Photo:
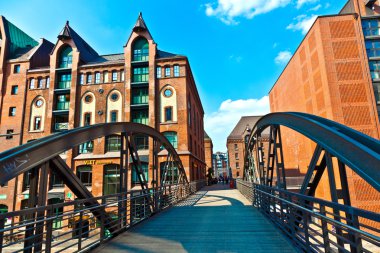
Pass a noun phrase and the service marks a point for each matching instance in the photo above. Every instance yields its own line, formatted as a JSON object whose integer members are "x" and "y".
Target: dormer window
{"x": 141, "y": 50}
{"x": 66, "y": 58}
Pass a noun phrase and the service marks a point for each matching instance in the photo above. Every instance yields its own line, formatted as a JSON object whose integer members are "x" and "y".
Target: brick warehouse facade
{"x": 47, "y": 88}
{"x": 334, "y": 74}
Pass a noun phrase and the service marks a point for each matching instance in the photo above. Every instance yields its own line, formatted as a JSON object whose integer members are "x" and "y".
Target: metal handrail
{"x": 305, "y": 220}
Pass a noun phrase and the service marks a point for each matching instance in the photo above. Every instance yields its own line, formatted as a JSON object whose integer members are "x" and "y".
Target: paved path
{"x": 215, "y": 219}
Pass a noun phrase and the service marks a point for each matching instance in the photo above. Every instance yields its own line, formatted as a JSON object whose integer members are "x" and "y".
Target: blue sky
{"x": 236, "y": 48}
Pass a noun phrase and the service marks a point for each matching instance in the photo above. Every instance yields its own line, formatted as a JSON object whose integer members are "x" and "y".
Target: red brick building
{"x": 208, "y": 151}
{"x": 334, "y": 73}
{"x": 50, "y": 87}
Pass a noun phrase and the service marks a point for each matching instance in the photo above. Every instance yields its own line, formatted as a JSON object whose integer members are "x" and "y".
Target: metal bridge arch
{"x": 41, "y": 155}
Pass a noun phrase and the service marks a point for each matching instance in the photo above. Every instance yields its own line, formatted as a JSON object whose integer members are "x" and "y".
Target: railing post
{"x": 358, "y": 240}
{"x": 80, "y": 226}
{"x": 325, "y": 230}
{"x": 49, "y": 229}
{"x": 2, "y": 224}
{"x": 306, "y": 227}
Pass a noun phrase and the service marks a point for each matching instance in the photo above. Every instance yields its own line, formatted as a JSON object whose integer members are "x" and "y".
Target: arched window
{"x": 66, "y": 58}
{"x": 111, "y": 179}
{"x": 141, "y": 50}
{"x": 84, "y": 173}
{"x": 172, "y": 138}
{"x": 113, "y": 143}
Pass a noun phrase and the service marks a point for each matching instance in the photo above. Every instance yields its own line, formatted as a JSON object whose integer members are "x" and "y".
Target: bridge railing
{"x": 315, "y": 225}
{"x": 72, "y": 227}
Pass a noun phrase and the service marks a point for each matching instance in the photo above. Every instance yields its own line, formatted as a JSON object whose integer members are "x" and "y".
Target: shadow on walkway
{"x": 215, "y": 219}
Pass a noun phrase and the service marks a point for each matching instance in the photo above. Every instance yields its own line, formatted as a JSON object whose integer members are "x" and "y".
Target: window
{"x": 37, "y": 123}
{"x": 47, "y": 82}
{"x": 111, "y": 180}
{"x": 140, "y": 75}
{"x": 105, "y": 77}
{"x": 189, "y": 112}
{"x": 26, "y": 180}
{"x": 168, "y": 92}
{"x": 16, "y": 69}
{"x": 87, "y": 147}
{"x": 113, "y": 116}
{"x": 40, "y": 84}
{"x": 170, "y": 171}
{"x": 89, "y": 78}
{"x": 373, "y": 48}
{"x": 12, "y": 111}
{"x": 140, "y": 50}
{"x": 169, "y": 113}
{"x": 31, "y": 84}
{"x": 81, "y": 79}
{"x": 172, "y": 138}
{"x": 237, "y": 165}
{"x": 159, "y": 73}
{"x": 87, "y": 119}
{"x": 167, "y": 71}
{"x": 371, "y": 27}
{"x": 141, "y": 142}
{"x": 39, "y": 103}
{"x": 114, "y": 96}
{"x": 135, "y": 179}
{"x": 237, "y": 173}
{"x": 14, "y": 90}
{"x": 140, "y": 116}
{"x": 140, "y": 96}
{"x": 88, "y": 98}
{"x": 237, "y": 156}
{"x": 113, "y": 143}
{"x": 374, "y": 67}
{"x": 176, "y": 70}
{"x": 97, "y": 77}
{"x": 236, "y": 146}
{"x": 84, "y": 173}
{"x": 9, "y": 134}
{"x": 122, "y": 75}
{"x": 66, "y": 58}
{"x": 64, "y": 81}
{"x": 114, "y": 76}
{"x": 55, "y": 181}
{"x": 376, "y": 89}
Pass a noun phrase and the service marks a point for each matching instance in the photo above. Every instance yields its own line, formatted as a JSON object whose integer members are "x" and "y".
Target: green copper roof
{"x": 19, "y": 42}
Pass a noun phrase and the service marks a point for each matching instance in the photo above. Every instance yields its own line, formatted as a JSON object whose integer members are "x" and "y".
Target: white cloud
{"x": 236, "y": 58}
{"x": 228, "y": 10}
{"x": 300, "y": 3}
{"x": 302, "y": 23}
{"x": 316, "y": 7}
{"x": 219, "y": 124}
{"x": 283, "y": 57}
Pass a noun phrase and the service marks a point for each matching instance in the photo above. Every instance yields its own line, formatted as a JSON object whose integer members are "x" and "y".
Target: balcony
{"x": 61, "y": 126}
{"x": 62, "y": 106}
{"x": 64, "y": 85}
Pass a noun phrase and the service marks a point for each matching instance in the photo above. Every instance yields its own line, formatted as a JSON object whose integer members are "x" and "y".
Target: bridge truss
{"x": 315, "y": 225}
{"x": 88, "y": 220}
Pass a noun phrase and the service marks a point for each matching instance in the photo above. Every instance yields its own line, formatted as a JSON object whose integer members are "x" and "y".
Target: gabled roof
{"x": 206, "y": 137}
{"x": 140, "y": 24}
{"x": 162, "y": 54}
{"x": 240, "y": 128}
{"x": 19, "y": 43}
{"x": 106, "y": 59}
{"x": 87, "y": 53}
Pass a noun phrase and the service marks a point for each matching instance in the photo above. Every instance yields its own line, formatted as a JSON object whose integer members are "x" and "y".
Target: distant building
{"x": 220, "y": 164}
{"x": 236, "y": 142}
{"x": 208, "y": 152}
{"x": 335, "y": 74}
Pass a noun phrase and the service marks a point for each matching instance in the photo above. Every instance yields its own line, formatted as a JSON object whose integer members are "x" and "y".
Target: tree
{"x": 210, "y": 175}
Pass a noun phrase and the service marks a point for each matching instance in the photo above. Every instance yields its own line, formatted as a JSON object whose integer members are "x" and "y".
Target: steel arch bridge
{"x": 43, "y": 155}
{"x": 337, "y": 148}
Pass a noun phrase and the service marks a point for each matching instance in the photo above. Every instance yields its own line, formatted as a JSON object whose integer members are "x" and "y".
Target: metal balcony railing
{"x": 72, "y": 227}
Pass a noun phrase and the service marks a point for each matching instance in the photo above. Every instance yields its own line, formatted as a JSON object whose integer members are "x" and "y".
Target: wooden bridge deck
{"x": 215, "y": 219}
